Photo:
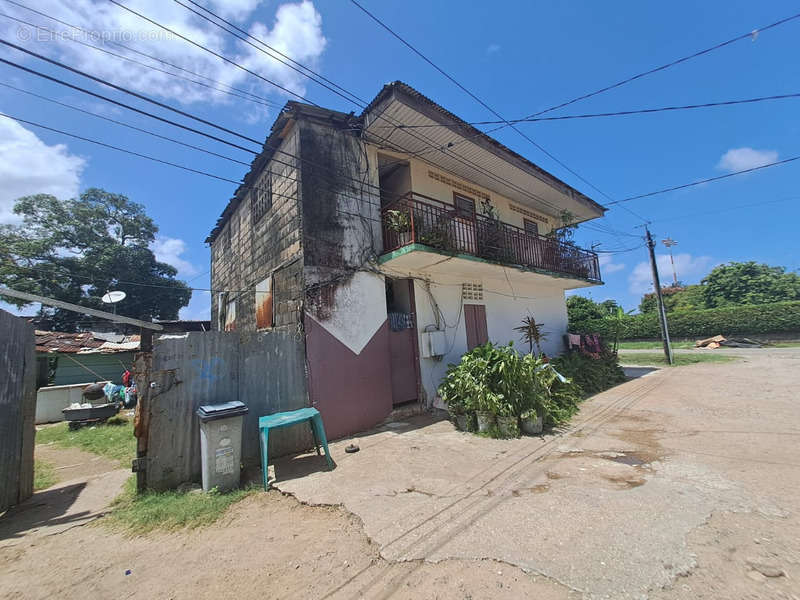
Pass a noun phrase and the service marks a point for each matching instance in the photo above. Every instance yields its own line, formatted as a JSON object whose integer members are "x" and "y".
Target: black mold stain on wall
{"x": 332, "y": 165}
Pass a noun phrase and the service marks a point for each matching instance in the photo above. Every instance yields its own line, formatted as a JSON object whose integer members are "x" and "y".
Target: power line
{"x": 184, "y": 113}
{"x": 750, "y": 34}
{"x": 125, "y": 91}
{"x": 118, "y": 149}
{"x": 218, "y": 55}
{"x": 166, "y": 162}
{"x": 123, "y": 124}
{"x": 707, "y": 180}
{"x": 726, "y": 209}
{"x": 617, "y": 113}
{"x": 476, "y": 98}
{"x": 245, "y": 39}
{"x": 468, "y": 163}
{"x": 236, "y": 92}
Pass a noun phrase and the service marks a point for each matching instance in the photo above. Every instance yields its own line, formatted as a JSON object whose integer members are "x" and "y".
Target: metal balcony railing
{"x": 418, "y": 219}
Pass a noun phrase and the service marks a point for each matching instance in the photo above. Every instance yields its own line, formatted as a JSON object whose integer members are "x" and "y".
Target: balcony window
{"x": 531, "y": 227}
{"x": 465, "y": 207}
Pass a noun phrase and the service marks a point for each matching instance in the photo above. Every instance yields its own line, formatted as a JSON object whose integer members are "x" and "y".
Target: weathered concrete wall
{"x": 264, "y": 370}
{"x": 346, "y": 330}
{"x": 247, "y": 250}
{"x": 17, "y": 408}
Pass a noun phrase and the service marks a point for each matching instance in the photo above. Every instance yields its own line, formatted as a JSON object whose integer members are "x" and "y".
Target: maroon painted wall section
{"x": 353, "y": 392}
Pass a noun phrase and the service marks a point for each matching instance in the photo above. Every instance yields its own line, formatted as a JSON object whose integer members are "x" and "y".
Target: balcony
{"x": 418, "y": 219}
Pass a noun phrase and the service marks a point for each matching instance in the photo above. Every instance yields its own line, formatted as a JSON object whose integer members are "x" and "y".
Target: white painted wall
{"x": 50, "y": 401}
{"x": 503, "y": 312}
{"x": 359, "y": 309}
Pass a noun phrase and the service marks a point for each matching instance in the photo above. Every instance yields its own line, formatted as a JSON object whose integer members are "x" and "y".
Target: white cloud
{"x": 740, "y": 159}
{"x": 29, "y": 166}
{"x": 688, "y": 268}
{"x": 493, "y": 49}
{"x": 296, "y": 31}
{"x": 607, "y": 264}
{"x": 199, "y": 307}
{"x": 170, "y": 250}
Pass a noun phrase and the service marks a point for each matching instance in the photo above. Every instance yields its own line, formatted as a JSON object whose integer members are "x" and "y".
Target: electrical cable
{"x": 707, "y": 180}
{"x": 244, "y": 95}
{"x": 123, "y": 124}
{"x": 615, "y": 113}
{"x": 217, "y": 54}
{"x": 750, "y": 34}
{"x": 476, "y": 98}
{"x": 248, "y": 42}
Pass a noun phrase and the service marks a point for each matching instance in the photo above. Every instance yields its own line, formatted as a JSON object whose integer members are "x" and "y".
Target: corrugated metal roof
{"x": 82, "y": 343}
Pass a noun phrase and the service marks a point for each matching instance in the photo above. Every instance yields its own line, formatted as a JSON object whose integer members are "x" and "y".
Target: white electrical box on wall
{"x": 434, "y": 343}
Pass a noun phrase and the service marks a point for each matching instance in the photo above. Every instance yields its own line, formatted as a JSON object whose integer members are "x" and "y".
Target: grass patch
{"x": 686, "y": 345}
{"x": 44, "y": 475}
{"x": 167, "y": 511}
{"x": 114, "y": 441}
{"x": 680, "y": 359}
{"x": 652, "y": 345}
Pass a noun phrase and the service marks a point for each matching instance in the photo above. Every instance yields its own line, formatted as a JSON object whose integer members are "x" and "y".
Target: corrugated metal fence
{"x": 17, "y": 409}
{"x": 265, "y": 370}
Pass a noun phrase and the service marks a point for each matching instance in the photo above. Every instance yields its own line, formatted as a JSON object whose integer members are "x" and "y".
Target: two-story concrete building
{"x": 392, "y": 242}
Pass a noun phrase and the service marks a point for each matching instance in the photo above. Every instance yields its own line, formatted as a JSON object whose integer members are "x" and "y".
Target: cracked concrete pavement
{"x": 683, "y": 483}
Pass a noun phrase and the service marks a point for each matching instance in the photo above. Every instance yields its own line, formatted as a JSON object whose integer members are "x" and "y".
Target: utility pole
{"x": 662, "y": 314}
{"x": 669, "y": 243}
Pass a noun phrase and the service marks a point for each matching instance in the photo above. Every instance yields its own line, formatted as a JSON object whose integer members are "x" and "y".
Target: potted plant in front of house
{"x": 486, "y": 409}
{"x": 536, "y": 381}
{"x": 458, "y": 392}
{"x": 507, "y": 422}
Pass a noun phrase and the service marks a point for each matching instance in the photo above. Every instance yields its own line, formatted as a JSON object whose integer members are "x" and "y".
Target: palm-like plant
{"x": 532, "y": 333}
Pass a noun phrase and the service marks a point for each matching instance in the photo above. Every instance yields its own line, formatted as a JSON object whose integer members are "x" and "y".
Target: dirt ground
{"x": 684, "y": 483}
{"x": 267, "y": 546}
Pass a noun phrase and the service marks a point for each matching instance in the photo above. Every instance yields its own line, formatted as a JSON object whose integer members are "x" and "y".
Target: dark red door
{"x": 475, "y": 321}
{"x": 404, "y": 372}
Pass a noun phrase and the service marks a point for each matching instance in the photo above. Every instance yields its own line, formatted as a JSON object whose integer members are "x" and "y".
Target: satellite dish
{"x": 113, "y": 297}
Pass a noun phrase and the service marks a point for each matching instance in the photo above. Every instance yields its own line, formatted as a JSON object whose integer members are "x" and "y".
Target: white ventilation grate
{"x": 472, "y": 291}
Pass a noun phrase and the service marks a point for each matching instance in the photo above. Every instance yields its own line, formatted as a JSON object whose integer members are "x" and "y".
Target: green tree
{"x": 581, "y": 309}
{"x": 676, "y": 298}
{"x": 76, "y": 250}
{"x": 749, "y": 283}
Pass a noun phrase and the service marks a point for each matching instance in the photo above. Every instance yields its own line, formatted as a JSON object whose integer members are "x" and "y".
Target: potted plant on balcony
{"x": 398, "y": 220}
{"x": 491, "y": 242}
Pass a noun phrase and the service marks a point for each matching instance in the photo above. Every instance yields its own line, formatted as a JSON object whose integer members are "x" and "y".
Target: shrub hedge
{"x": 734, "y": 320}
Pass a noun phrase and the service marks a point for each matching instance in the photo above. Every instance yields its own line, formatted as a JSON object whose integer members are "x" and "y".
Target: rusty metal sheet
{"x": 264, "y": 318}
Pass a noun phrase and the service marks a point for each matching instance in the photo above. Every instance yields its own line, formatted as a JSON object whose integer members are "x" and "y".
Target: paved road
{"x": 681, "y": 484}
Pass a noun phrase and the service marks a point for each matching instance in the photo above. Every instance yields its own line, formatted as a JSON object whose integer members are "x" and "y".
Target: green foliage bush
{"x": 734, "y": 320}
{"x": 592, "y": 375}
{"x": 497, "y": 379}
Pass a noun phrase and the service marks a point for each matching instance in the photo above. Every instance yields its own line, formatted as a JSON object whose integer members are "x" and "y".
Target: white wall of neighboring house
{"x": 504, "y": 311}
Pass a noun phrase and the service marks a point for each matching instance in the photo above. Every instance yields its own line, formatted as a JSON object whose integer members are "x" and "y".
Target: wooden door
{"x": 403, "y": 360}
{"x": 475, "y": 321}
{"x": 403, "y": 355}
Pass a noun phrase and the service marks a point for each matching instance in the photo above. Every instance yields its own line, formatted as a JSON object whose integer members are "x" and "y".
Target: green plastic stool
{"x": 284, "y": 419}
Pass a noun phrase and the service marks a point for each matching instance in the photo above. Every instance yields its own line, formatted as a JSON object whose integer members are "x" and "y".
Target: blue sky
{"x": 519, "y": 57}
